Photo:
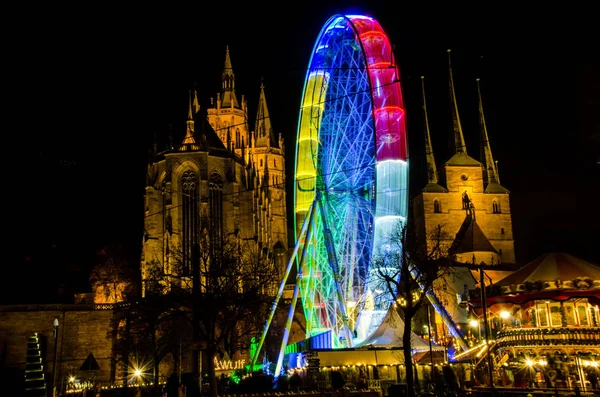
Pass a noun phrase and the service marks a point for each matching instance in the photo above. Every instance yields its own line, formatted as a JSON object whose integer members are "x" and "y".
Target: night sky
{"x": 87, "y": 90}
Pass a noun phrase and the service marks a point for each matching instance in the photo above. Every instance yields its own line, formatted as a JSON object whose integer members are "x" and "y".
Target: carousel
{"x": 543, "y": 326}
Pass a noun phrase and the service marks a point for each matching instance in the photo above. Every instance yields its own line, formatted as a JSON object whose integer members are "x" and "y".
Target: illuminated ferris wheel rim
{"x": 384, "y": 62}
{"x": 379, "y": 119}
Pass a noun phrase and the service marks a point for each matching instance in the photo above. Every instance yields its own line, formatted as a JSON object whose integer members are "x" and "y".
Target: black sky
{"x": 89, "y": 89}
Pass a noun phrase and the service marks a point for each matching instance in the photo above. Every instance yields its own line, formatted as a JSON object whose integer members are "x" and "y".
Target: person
{"x": 362, "y": 380}
{"x": 295, "y": 382}
{"x": 593, "y": 378}
{"x": 577, "y": 391}
{"x": 337, "y": 380}
{"x": 468, "y": 381}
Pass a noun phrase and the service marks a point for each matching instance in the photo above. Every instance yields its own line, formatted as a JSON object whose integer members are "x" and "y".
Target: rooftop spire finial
{"x": 459, "y": 140}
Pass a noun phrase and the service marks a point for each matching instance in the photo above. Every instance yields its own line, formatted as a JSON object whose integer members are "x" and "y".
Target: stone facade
{"x": 83, "y": 329}
{"x": 223, "y": 172}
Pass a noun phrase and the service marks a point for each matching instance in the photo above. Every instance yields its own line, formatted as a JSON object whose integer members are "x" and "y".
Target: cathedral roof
{"x": 463, "y": 159}
{"x": 204, "y": 133}
{"x": 470, "y": 238}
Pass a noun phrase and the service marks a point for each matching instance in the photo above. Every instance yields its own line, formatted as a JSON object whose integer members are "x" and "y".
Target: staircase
{"x": 35, "y": 384}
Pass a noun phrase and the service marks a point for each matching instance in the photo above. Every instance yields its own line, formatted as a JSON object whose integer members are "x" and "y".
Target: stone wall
{"x": 83, "y": 329}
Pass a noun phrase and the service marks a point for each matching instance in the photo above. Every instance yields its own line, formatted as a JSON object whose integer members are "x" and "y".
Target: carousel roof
{"x": 557, "y": 276}
{"x": 553, "y": 266}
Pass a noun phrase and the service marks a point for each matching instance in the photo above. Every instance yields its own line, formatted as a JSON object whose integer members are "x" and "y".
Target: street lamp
{"x": 55, "y": 372}
{"x": 504, "y": 315}
{"x": 476, "y": 324}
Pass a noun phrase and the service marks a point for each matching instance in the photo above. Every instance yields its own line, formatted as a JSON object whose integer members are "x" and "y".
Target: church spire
{"x": 196, "y": 104}
{"x": 459, "y": 140}
{"x": 228, "y": 97}
{"x": 263, "y": 128}
{"x": 432, "y": 176}
{"x": 189, "y": 142}
{"x": 490, "y": 172}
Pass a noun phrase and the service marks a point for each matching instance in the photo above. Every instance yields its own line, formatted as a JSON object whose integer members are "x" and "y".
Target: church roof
{"x": 434, "y": 188}
{"x": 470, "y": 238}
{"x": 553, "y": 266}
{"x": 463, "y": 159}
{"x": 494, "y": 187}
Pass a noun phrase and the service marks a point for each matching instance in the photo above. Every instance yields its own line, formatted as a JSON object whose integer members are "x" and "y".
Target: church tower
{"x": 221, "y": 175}
{"x": 469, "y": 205}
{"x": 472, "y": 206}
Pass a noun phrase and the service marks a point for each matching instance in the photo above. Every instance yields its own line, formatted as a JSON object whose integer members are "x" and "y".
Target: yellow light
{"x": 529, "y": 362}
{"x": 504, "y": 314}
{"x": 474, "y": 323}
{"x": 71, "y": 379}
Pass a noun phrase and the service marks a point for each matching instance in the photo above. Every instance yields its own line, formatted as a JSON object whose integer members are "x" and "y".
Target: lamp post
{"x": 431, "y": 348}
{"x": 54, "y": 371}
{"x": 476, "y": 324}
{"x": 486, "y": 330}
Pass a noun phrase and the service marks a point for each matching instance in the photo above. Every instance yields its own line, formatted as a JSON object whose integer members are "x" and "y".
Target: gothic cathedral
{"x": 222, "y": 174}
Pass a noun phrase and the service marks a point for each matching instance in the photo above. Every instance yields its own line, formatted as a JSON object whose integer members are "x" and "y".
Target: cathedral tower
{"x": 221, "y": 175}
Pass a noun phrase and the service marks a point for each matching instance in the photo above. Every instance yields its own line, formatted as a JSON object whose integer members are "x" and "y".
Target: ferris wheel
{"x": 351, "y": 177}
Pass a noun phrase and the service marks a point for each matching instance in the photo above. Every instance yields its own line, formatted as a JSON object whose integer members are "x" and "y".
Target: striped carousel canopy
{"x": 551, "y": 267}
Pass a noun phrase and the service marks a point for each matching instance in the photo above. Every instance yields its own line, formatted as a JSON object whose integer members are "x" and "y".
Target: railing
{"x": 549, "y": 336}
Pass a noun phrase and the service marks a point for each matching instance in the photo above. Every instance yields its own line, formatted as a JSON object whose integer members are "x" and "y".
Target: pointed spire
{"x": 190, "y": 108}
{"x": 490, "y": 172}
{"x": 228, "y": 99}
{"x": 263, "y": 128}
{"x": 459, "y": 140}
{"x": 432, "y": 176}
{"x": 189, "y": 143}
{"x": 196, "y": 103}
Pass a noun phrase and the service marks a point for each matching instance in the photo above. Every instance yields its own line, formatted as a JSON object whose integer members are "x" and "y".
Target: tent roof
{"x": 389, "y": 334}
{"x": 552, "y": 266}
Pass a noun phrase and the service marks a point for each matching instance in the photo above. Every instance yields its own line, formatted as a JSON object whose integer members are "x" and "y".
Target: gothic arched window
{"x": 495, "y": 207}
{"x": 215, "y": 202}
{"x": 189, "y": 217}
{"x": 437, "y": 206}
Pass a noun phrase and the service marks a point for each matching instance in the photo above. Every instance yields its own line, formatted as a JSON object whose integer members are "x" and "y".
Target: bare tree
{"x": 111, "y": 278}
{"x": 224, "y": 289}
{"x": 407, "y": 268}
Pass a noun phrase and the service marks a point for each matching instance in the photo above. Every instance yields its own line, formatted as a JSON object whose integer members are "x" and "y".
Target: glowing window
{"x": 555, "y": 316}
{"x": 495, "y": 207}
{"x": 583, "y": 315}
{"x": 569, "y": 314}
{"x": 542, "y": 314}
